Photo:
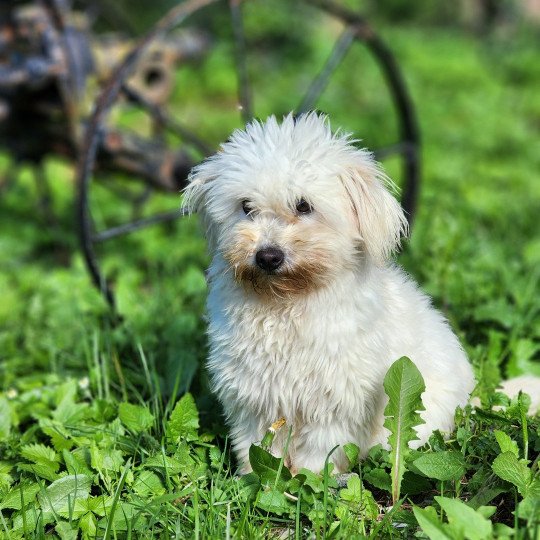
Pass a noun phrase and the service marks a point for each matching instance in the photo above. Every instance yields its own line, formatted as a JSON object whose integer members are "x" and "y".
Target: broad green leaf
{"x": 68, "y": 412}
{"x": 379, "y": 478}
{"x": 267, "y": 466}
{"x": 534, "y": 487}
{"x": 250, "y": 485}
{"x": 105, "y": 458}
{"x": 361, "y": 497}
{"x": 316, "y": 514}
{"x": 40, "y": 453}
{"x": 45, "y": 461}
{"x": 506, "y": 444}
{"x": 486, "y": 511}
{"x": 274, "y": 501}
{"x": 39, "y": 469}
{"x": 100, "y": 505}
{"x": 148, "y": 483}
{"x": 135, "y": 417}
{"x": 192, "y": 460}
{"x": 60, "y": 437}
{"x": 88, "y": 525}
{"x": 216, "y": 457}
{"x": 429, "y": 523}
{"x": 447, "y": 465}
{"x": 184, "y": 420}
{"x": 19, "y": 496}
{"x": 403, "y": 385}
{"x": 464, "y": 520}
{"x": 498, "y": 310}
{"x": 26, "y": 520}
{"x": 75, "y": 462}
{"x": 353, "y": 491}
{"x": 352, "y": 452}
{"x": 508, "y": 467}
{"x": 522, "y": 358}
{"x": 64, "y": 492}
{"x": 502, "y": 531}
{"x": 311, "y": 479}
{"x": 65, "y": 531}
{"x": 529, "y": 508}
{"x": 168, "y": 464}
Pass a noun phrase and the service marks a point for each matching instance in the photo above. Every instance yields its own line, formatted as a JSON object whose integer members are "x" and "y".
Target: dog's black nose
{"x": 269, "y": 258}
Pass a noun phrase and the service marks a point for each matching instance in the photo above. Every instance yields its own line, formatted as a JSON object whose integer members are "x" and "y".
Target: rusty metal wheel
{"x": 164, "y": 169}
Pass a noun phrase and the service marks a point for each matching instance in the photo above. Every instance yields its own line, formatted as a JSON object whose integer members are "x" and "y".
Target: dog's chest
{"x": 283, "y": 362}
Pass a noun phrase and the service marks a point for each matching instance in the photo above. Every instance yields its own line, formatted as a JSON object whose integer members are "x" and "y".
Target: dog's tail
{"x": 528, "y": 384}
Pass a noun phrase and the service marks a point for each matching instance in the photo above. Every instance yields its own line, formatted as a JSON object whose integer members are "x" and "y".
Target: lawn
{"x": 98, "y": 437}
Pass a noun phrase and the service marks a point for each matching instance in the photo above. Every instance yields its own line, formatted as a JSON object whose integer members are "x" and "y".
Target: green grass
{"x": 93, "y": 439}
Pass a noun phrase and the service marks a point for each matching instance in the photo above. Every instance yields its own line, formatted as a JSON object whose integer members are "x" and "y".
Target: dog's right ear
{"x": 195, "y": 193}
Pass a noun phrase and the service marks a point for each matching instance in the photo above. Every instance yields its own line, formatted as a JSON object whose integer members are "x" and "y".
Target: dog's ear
{"x": 378, "y": 216}
{"x": 197, "y": 188}
{"x": 196, "y": 196}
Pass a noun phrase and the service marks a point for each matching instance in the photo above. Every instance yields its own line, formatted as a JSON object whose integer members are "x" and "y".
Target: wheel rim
{"x": 355, "y": 30}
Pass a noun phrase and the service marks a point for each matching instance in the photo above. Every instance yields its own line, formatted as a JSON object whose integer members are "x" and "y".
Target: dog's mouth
{"x": 272, "y": 271}
{"x": 280, "y": 282}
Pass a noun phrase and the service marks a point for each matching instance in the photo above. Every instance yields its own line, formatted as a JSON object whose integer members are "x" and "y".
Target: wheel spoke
{"x": 321, "y": 81}
{"x": 90, "y": 143}
{"x": 137, "y": 225}
{"x": 402, "y": 147}
{"x": 164, "y": 119}
{"x": 244, "y": 91}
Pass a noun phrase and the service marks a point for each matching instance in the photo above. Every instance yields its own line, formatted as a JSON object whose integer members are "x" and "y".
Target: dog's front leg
{"x": 313, "y": 443}
{"x": 245, "y": 431}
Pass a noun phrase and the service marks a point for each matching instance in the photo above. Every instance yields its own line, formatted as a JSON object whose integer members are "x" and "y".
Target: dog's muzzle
{"x": 269, "y": 258}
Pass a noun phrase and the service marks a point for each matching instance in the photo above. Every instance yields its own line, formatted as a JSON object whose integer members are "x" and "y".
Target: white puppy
{"x": 307, "y": 312}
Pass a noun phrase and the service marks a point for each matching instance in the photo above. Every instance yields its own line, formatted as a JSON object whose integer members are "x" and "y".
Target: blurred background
{"x": 471, "y": 70}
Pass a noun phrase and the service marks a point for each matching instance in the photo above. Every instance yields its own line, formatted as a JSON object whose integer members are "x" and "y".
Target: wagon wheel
{"x": 355, "y": 29}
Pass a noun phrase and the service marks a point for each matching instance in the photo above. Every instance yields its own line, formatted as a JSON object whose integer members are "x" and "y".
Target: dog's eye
{"x": 246, "y": 207}
{"x": 303, "y": 207}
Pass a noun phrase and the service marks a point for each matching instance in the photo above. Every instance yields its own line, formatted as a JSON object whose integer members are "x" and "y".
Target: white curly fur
{"x": 312, "y": 341}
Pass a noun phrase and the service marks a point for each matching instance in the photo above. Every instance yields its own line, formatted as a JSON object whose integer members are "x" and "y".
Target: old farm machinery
{"x": 52, "y": 66}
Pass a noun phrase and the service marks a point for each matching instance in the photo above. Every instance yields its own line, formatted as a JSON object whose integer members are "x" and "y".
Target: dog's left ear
{"x": 378, "y": 216}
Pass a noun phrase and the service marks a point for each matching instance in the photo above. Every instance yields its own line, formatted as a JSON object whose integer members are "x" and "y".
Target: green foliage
{"x": 508, "y": 467}
{"x": 135, "y": 417}
{"x": 403, "y": 385}
{"x": 444, "y": 465}
{"x": 112, "y": 476}
{"x": 463, "y": 521}
{"x": 184, "y": 420}
{"x": 93, "y": 438}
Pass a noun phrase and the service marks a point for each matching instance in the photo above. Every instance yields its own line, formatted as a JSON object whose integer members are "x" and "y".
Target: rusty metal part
{"x": 130, "y": 153}
{"x": 356, "y": 29}
{"x": 154, "y": 76}
{"x": 91, "y": 137}
{"x": 50, "y": 64}
{"x": 48, "y": 56}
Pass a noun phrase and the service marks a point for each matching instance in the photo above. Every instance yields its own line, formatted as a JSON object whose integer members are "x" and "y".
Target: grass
{"x": 94, "y": 440}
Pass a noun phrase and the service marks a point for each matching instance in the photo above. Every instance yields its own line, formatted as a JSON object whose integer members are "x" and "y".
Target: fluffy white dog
{"x": 307, "y": 312}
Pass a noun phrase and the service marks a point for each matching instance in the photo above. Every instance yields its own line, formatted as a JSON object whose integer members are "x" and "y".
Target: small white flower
{"x": 84, "y": 383}
{"x": 12, "y": 393}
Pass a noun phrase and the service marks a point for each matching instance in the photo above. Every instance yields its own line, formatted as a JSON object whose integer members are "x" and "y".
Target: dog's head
{"x": 290, "y": 206}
